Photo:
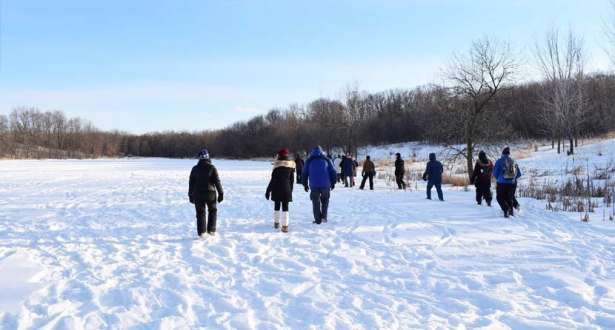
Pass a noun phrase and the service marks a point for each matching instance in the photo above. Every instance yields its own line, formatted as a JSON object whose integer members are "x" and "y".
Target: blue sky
{"x": 144, "y": 66}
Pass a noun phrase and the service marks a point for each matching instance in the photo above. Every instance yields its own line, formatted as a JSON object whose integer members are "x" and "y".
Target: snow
{"x": 111, "y": 244}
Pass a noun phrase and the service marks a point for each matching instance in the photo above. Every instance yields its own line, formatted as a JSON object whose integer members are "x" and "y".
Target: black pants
{"x": 514, "y": 197}
{"x": 348, "y": 181}
{"x": 277, "y": 204}
{"x": 504, "y": 193}
{"x": 369, "y": 176}
{"x": 483, "y": 192}
{"x": 212, "y": 211}
{"x": 299, "y": 177}
{"x": 438, "y": 189}
{"x": 320, "y": 203}
{"x": 399, "y": 179}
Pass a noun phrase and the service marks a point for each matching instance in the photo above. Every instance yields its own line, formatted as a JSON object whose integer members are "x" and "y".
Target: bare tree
{"x": 477, "y": 77}
{"x": 561, "y": 61}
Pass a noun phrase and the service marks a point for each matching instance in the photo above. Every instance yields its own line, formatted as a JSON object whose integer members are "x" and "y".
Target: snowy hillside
{"x": 111, "y": 244}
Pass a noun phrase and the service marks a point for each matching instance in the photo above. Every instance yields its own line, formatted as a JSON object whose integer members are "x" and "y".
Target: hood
{"x": 317, "y": 152}
{"x": 203, "y": 162}
{"x": 432, "y": 156}
{"x": 283, "y": 163}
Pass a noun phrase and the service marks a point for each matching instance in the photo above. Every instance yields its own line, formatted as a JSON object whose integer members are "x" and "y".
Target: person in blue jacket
{"x": 506, "y": 173}
{"x": 320, "y": 175}
{"x": 433, "y": 176}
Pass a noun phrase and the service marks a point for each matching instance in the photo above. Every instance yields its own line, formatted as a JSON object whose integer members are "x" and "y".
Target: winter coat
{"x": 498, "y": 171}
{"x": 434, "y": 170}
{"x": 204, "y": 182}
{"x": 282, "y": 178}
{"x": 369, "y": 167}
{"x": 299, "y": 165}
{"x": 399, "y": 166}
{"x": 354, "y": 167}
{"x": 318, "y": 171}
{"x": 347, "y": 166}
{"x": 481, "y": 176}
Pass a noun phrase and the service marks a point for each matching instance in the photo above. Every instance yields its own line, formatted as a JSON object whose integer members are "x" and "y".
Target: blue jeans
{"x": 438, "y": 189}
{"x": 320, "y": 203}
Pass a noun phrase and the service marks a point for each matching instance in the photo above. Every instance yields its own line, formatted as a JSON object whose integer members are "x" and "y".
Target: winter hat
{"x": 204, "y": 154}
{"x": 483, "y": 157}
{"x": 283, "y": 153}
{"x": 506, "y": 151}
{"x": 432, "y": 156}
{"x": 397, "y": 154}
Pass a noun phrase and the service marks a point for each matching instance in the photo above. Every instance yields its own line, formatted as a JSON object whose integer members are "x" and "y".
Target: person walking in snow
{"x": 481, "y": 178}
{"x": 347, "y": 168}
{"x": 369, "y": 171}
{"x": 337, "y": 161}
{"x": 280, "y": 188}
{"x": 433, "y": 176}
{"x": 319, "y": 176}
{"x": 506, "y": 173}
{"x": 400, "y": 170}
{"x": 298, "y": 166}
{"x": 203, "y": 185}
{"x": 355, "y": 164}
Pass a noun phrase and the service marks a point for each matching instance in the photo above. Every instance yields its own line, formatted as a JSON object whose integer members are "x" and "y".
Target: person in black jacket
{"x": 299, "y": 167}
{"x": 399, "y": 171}
{"x": 204, "y": 182}
{"x": 481, "y": 178}
{"x": 280, "y": 188}
{"x": 433, "y": 176}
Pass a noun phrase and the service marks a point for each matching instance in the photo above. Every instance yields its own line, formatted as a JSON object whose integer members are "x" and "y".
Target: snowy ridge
{"x": 115, "y": 240}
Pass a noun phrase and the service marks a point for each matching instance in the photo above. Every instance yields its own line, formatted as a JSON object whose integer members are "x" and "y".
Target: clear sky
{"x": 142, "y": 66}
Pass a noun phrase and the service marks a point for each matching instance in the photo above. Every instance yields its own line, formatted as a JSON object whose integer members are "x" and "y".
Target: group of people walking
{"x": 318, "y": 175}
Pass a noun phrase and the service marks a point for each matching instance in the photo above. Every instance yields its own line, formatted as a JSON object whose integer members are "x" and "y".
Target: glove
{"x": 220, "y": 198}
{"x": 267, "y": 195}
{"x": 191, "y": 198}
{"x": 305, "y": 187}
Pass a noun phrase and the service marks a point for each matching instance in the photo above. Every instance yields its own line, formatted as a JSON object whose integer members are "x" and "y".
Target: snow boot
{"x": 285, "y": 217}
{"x": 276, "y": 219}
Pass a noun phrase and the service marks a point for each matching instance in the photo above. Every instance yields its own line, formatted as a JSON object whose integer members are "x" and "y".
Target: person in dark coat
{"x": 320, "y": 177}
{"x": 204, "y": 183}
{"x": 400, "y": 170}
{"x": 280, "y": 188}
{"x": 433, "y": 176}
{"x": 347, "y": 168}
{"x": 506, "y": 172}
{"x": 369, "y": 171}
{"x": 481, "y": 178}
{"x": 299, "y": 167}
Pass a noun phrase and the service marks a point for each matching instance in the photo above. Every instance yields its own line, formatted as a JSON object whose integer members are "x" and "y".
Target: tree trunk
{"x": 559, "y": 142}
{"x": 576, "y": 141}
{"x": 552, "y": 143}
{"x": 469, "y": 155}
{"x": 571, "y": 152}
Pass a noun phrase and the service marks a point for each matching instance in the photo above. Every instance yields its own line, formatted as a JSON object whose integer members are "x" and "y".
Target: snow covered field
{"x": 111, "y": 244}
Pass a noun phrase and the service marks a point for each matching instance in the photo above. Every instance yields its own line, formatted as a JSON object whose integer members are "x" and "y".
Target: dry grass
{"x": 455, "y": 180}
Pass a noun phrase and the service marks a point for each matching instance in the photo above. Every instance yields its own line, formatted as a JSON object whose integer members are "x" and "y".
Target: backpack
{"x": 509, "y": 170}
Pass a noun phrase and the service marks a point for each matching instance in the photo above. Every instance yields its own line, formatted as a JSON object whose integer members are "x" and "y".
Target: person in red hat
{"x": 280, "y": 188}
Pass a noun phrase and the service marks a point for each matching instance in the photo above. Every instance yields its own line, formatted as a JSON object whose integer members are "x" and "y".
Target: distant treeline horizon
{"x": 428, "y": 113}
